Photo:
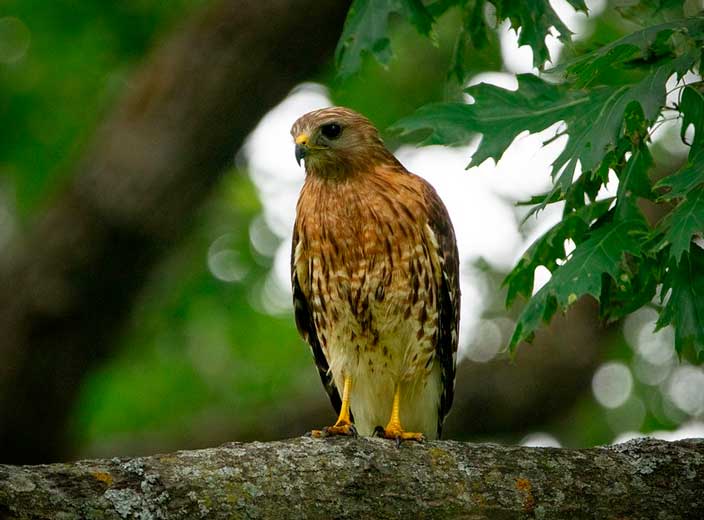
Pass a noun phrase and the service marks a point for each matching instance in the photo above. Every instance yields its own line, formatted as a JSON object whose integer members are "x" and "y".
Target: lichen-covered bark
{"x": 369, "y": 478}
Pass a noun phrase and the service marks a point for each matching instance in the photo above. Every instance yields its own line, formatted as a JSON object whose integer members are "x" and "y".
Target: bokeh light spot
{"x": 686, "y": 389}
{"x": 612, "y": 384}
{"x": 263, "y": 239}
{"x": 656, "y": 347}
{"x": 224, "y": 260}
{"x": 540, "y": 440}
{"x": 649, "y": 373}
{"x": 487, "y": 342}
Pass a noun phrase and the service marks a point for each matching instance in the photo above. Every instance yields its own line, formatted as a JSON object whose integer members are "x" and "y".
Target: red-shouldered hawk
{"x": 375, "y": 275}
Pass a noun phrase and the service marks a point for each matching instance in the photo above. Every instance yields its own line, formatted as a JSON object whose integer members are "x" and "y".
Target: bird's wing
{"x": 443, "y": 242}
{"x": 306, "y": 327}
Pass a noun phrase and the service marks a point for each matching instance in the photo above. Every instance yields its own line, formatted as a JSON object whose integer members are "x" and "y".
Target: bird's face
{"x": 331, "y": 140}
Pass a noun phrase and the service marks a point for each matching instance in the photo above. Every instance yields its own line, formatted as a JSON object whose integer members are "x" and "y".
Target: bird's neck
{"x": 353, "y": 166}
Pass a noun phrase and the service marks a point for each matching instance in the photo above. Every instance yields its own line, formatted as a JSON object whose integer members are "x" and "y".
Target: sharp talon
{"x": 398, "y": 434}
{"x": 398, "y": 443}
{"x": 344, "y": 429}
{"x": 308, "y": 434}
{"x": 378, "y": 432}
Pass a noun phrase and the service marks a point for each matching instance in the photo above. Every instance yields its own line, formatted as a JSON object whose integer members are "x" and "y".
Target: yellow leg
{"x": 343, "y": 426}
{"x": 393, "y": 429}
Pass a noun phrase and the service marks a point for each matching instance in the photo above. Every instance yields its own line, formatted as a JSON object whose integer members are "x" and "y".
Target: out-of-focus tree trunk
{"x": 67, "y": 286}
{"x": 369, "y": 478}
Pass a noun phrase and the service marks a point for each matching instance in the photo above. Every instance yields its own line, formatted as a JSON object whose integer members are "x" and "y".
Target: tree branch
{"x": 369, "y": 478}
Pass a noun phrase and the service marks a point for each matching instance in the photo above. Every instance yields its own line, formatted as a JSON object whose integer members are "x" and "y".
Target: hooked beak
{"x": 301, "y": 150}
{"x": 301, "y": 147}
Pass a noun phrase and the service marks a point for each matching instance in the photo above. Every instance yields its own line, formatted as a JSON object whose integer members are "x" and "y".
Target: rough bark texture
{"x": 369, "y": 478}
{"x": 67, "y": 287}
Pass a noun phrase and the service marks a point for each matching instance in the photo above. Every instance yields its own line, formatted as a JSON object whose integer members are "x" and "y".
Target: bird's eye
{"x": 331, "y": 130}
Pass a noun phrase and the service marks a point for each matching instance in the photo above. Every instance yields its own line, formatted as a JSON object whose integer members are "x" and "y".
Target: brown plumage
{"x": 375, "y": 276}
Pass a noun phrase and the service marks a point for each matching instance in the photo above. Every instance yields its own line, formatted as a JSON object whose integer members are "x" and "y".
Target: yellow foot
{"x": 340, "y": 428}
{"x": 395, "y": 432}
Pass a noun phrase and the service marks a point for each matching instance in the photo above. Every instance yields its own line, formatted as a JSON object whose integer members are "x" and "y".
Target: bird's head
{"x": 336, "y": 141}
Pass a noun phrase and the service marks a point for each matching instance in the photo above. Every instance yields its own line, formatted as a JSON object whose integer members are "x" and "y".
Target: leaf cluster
{"x": 607, "y": 102}
{"x": 366, "y": 28}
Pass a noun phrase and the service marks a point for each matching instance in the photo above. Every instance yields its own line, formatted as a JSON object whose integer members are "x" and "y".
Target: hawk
{"x": 375, "y": 275}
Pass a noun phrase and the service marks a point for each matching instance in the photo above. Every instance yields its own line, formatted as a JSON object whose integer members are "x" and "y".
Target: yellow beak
{"x": 301, "y": 147}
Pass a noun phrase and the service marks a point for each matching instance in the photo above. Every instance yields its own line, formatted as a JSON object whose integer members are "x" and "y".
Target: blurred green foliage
{"x": 196, "y": 345}
{"x": 78, "y": 61}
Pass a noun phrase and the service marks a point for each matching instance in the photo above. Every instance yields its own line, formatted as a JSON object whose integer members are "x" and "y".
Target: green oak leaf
{"x": 473, "y": 34}
{"x": 601, "y": 254}
{"x": 366, "y": 31}
{"x": 645, "y": 12}
{"x": 684, "y": 308}
{"x": 535, "y": 19}
{"x": 550, "y": 248}
{"x": 648, "y": 46}
{"x": 691, "y": 106}
{"x": 684, "y": 222}
{"x": 686, "y": 179}
{"x": 366, "y": 27}
{"x": 593, "y": 118}
{"x": 634, "y": 181}
{"x": 690, "y": 176}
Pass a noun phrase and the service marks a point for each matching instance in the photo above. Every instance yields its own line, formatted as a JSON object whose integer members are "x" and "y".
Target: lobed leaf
{"x": 686, "y": 179}
{"x": 366, "y": 31}
{"x": 691, "y": 107}
{"x": 649, "y": 46}
{"x": 535, "y": 19}
{"x": 684, "y": 308}
{"x": 634, "y": 181}
{"x": 683, "y": 223}
{"x": 646, "y": 12}
{"x": 594, "y": 117}
{"x": 601, "y": 254}
{"x": 550, "y": 248}
{"x": 474, "y": 33}
{"x": 366, "y": 28}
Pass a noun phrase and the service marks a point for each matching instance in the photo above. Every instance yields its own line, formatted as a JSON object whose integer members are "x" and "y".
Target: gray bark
{"x": 369, "y": 478}
{"x": 67, "y": 286}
